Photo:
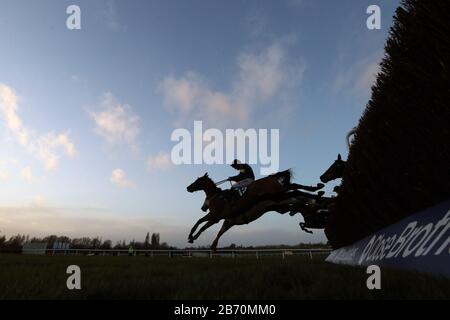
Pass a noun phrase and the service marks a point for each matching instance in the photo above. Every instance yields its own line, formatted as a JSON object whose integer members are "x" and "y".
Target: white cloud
{"x": 183, "y": 93}
{"x": 366, "y": 78}
{"x": 296, "y": 3}
{"x": 39, "y": 201}
{"x": 161, "y": 161}
{"x": 256, "y": 23}
{"x": 47, "y": 146}
{"x": 261, "y": 77}
{"x": 6, "y": 160}
{"x": 27, "y": 174}
{"x": 109, "y": 15}
{"x": 9, "y": 108}
{"x": 119, "y": 178}
{"x": 4, "y": 175}
{"x": 116, "y": 122}
{"x": 358, "y": 78}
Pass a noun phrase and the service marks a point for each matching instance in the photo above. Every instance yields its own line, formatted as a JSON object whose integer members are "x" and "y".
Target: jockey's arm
{"x": 237, "y": 178}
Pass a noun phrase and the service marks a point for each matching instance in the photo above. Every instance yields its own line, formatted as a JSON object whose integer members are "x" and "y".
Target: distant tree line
{"x": 16, "y": 242}
{"x": 151, "y": 242}
{"x": 279, "y": 246}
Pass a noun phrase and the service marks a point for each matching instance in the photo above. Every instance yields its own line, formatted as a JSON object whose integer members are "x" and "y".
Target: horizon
{"x": 54, "y": 239}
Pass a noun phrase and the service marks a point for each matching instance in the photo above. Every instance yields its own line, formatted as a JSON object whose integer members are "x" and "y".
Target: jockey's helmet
{"x": 235, "y": 163}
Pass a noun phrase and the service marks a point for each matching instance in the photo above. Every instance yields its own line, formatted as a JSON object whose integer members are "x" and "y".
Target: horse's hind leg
{"x": 227, "y": 224}
{"x": 307, "y": 188}
{"x": 200, "y": 221}
{"x": 298, "y": 193}
{"x": 303, "y": 226}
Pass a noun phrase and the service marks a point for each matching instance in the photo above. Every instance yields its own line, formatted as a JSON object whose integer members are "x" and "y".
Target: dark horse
{"x": 335, "y": 171}
{"x": 267, "y": 194}
{"x": 315, "y": 212}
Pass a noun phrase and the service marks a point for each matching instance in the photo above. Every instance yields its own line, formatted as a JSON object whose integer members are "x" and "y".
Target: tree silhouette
{"x": 155, "y": 240}
{"x": 147, "y": 241}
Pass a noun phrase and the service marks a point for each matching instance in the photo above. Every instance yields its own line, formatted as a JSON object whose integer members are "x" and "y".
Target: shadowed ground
{"x": 296, "y": 277}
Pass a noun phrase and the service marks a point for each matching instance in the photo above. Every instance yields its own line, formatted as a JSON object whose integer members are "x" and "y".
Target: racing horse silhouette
{"x": 335, "y": 171}
{"x": 271, "y": 193}
{"x": 316, "y": 212}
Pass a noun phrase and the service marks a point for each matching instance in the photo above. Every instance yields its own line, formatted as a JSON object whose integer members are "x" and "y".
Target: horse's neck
{"x": 211, "y": 190}
{"x": 342, "y": 168}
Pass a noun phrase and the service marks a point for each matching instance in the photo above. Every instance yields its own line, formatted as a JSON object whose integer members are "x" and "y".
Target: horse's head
{"x": 336, "y": 170}
{"x": 201, "y": 183}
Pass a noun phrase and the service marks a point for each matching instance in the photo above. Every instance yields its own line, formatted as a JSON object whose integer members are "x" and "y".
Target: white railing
{"x": 233, "y": 253}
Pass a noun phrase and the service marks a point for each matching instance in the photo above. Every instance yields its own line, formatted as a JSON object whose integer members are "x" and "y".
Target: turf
{"x": 123, "y": 277}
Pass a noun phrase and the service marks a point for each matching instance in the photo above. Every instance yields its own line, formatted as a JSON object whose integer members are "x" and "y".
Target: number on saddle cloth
{"x": 242, "y": 191}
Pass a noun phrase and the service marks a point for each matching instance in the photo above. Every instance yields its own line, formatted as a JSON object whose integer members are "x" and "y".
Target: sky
{"x": 86, "y": 116}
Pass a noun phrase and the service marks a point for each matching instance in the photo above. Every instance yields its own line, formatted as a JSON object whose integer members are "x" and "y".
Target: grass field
{"x": 123, "y": 277}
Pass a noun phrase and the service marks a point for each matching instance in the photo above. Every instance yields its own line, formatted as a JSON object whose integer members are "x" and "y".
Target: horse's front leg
{"x": 205, "y": 226}
{"x": 200, "y": 221}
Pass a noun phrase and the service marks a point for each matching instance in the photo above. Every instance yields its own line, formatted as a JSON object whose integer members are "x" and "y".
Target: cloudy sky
{"x": 86, "y": 115}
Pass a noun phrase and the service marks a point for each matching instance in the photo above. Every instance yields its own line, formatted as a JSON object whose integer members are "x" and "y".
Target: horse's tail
{"x": 284, "y": 176}
{"x": 348, "y": 136}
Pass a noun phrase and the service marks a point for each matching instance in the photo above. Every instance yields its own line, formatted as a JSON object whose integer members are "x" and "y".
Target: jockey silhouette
{"x": 245, "y": 176}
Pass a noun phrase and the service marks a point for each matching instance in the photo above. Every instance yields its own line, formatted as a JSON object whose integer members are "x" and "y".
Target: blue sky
{"x": 86, "y": 115}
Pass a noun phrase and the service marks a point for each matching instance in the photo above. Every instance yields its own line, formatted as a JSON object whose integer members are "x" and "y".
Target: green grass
{"x": 296, "y": 277}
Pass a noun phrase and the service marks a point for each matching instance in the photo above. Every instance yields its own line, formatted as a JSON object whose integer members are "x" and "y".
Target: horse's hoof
{"x": 190, "y": 240}
{"x": 303, "y": 227}
{"x": 320, "y": 185}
